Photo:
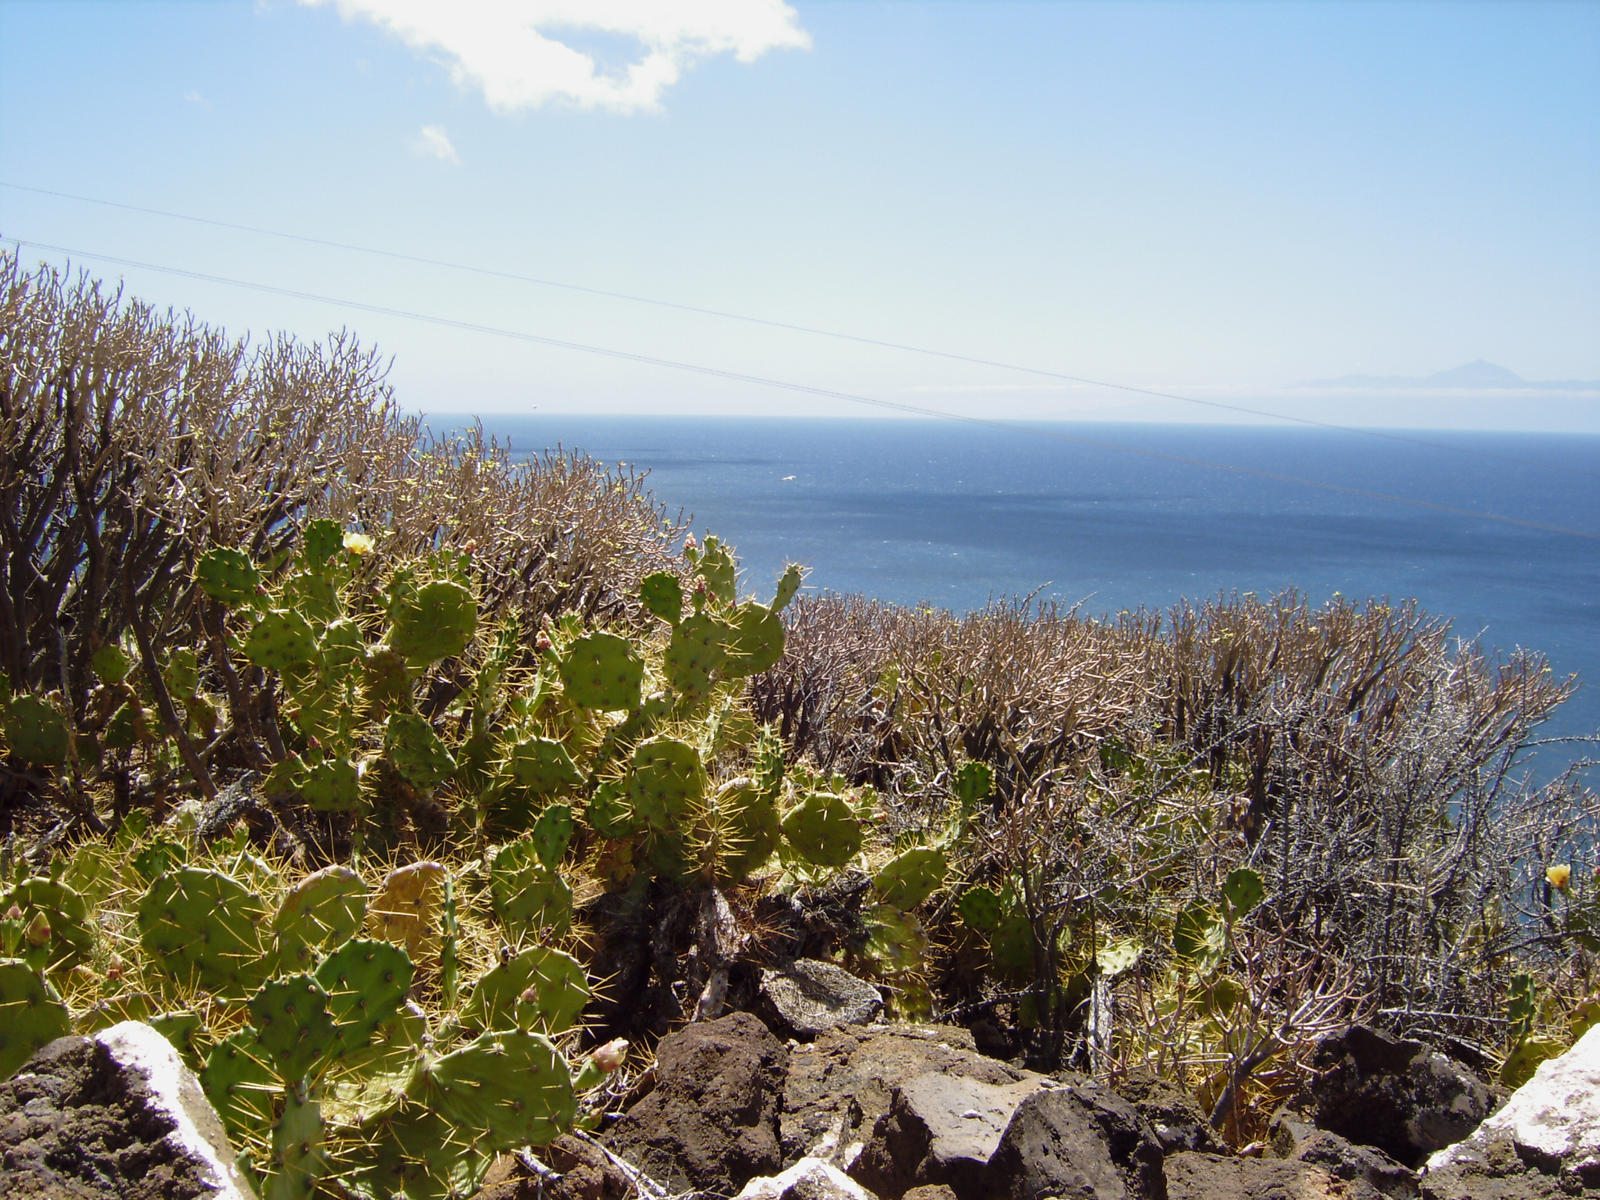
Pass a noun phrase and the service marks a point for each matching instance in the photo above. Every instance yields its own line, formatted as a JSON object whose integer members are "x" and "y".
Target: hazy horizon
{"x": 757, "y": 208}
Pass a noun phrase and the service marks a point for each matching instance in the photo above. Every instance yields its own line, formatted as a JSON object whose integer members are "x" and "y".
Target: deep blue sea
{"x": 1122, "y": 516}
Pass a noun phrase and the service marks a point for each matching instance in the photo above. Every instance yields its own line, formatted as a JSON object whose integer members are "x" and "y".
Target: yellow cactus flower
{"x": 1559, "y": 875}
{"x": 358, "y": 544}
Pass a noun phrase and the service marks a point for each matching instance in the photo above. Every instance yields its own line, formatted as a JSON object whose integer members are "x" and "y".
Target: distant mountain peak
{"x": 1476, "y": 374}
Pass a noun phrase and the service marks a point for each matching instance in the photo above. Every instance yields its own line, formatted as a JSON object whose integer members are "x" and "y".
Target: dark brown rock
{"x": 711, "y": 1123}
{"x": 1175, "y": 1118}
{"x": 111, "y": 1117}
{"x": 1295, "y": 1138}
{"x": 1401, "y": 1096}
{"x": 1078, "y": 1141}
{"x": 1194, "y": 1176}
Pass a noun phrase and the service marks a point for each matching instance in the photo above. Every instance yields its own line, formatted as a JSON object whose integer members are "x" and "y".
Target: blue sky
{"x": 1223, "y": 201}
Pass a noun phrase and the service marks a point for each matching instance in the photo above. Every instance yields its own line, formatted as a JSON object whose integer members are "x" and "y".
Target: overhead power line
{"x": 805, "y": 389}
{"x": 791, "y": 327}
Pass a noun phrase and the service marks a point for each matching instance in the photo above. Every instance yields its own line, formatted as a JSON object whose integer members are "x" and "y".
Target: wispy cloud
{"x": 433, "y": 142}
{"x": 513, "y": 52}
{"x": 194, "y": 97}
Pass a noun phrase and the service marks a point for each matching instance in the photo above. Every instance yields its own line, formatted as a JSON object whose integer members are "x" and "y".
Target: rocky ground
{"x": 792, "y": 1105}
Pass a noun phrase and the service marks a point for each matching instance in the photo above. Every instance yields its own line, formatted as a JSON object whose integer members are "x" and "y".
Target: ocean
{"x": 1500, "y": 532}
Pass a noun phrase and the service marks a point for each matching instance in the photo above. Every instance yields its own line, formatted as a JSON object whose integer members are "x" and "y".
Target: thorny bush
{"x": 131, "y": 441}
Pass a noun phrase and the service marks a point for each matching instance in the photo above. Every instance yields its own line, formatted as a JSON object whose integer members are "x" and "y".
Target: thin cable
{"x": 496, "y": 273}
{"x": 806, "y": 389}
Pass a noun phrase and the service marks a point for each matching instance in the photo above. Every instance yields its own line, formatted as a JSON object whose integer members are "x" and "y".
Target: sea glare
{"x": 1110, "y": 517}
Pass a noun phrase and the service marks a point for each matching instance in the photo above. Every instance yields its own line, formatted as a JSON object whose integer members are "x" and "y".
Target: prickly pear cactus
{"x": 299, "y": 1155}
{"x": 323, "y": 910}
{"x": 57, "y": 931}
{"x": 418, "y": 754}
{"x": 240, "y": 1081}
{"x": 526, "y": 894}
{"x": 366, "y": 984}
{"x": 293, "y": 1023}
{"x": 823, "y": 830}
{"x": 696, "y": 653}
{"x": 735, "y": 831}
{"x": 506, "y": 1088}
{"x": 228, "y": 576}
{"x": 433, "y": 622}
{"x": 539, "y": 989}
{"x": 666, "y": 783}
{"x": 543, "y": 766}
{"x": 909, "y": 878}
{"x": 408, "y": 909}
{"x": 282, "y": 640}
{"x": 602, "y": 671}
{"x": 37, "y": 731}
{"x": 788, "y": 585}
{"x": 662, "y": 595}
{"x": 203, "y": 928}
{"x": 31, "y": 1014}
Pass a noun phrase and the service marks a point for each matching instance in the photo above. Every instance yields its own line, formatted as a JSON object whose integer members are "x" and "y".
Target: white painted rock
{"x": 1552, "y": 1120}
{"x": 808, "y": 1179}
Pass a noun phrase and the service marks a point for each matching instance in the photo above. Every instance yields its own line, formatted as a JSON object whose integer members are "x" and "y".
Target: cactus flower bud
{"x": 39, "y": 931}
{"x": 542, "y": 643}
{"x": 114, "y": 968}
{"x": 529, "y": 995}
{"x": 14, "y": 913}
{"x": 609, "y": 1056}
{"x": 689, "y": 543}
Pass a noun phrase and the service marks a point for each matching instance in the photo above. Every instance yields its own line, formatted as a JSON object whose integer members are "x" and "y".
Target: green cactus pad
{"x": 204, "y": 928}
{"x": 908, "y": 879}
{"x": 228, "y": 576}
{"x": 1199, "y": 937}
{"x": 737, "y": 830}
{"x": 525, "y": 893}
{"x": 540, "y": 989}
{"x": 407, "y": 909}
{"x": 508, "y": 1087}
{"x": 609, "y": 813}
{"x": 981, "y": 908}
{"x": 386, "y": 680}
{"x": 282, "y": 640}
{"x": 823, "y": 830}
{"x": 366, "y": 983}
{"x": 241, "y": 1084}
{"x": 602, "y": 671}
{"x": 293, "y": 1023}
{"x": 667, "y": 781}
{"x": 697, "y": 651}
{"x": 36, "y": 731}
{"x": 552, "y": 834}
{"x": 1243, "y": 889}
{"x": 973, "y": 783}
{"x": 543, "y": 766}
{"x": 437, "y": 621}
{"x": 321, "y": 539}
{"x": 418, "y": 755}
{"x": 332, "y": 785}
{"x": 717, "y": 568}
{"x": 322, "y": 910}
{"x": 788, "y": 584}
{"x": 758, "y": 640}
{"x": 126, "y": 727}
{"x": 1012, "y": 946}
{"x": 371, "y": 1079}
{"x": 111, "y": 663}
{"x": 414, "y": 1153}
{"x": 299, "y": 1157}
{"x": 63, "y": 911}
{"x": 182, "y": 1029}
{"x": 31, "y": 1014}
{"x": 662, "y": 595}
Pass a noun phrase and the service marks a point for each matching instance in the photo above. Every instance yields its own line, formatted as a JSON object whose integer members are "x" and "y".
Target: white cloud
{"x": 511, "y": 52}
{"x": 194, "y": 97}
{"x": 433, "y": 142}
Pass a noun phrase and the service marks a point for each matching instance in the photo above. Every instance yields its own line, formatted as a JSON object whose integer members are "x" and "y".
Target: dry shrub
{"x": 1368, "y": 765}
{"x": 132, "y": 440}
